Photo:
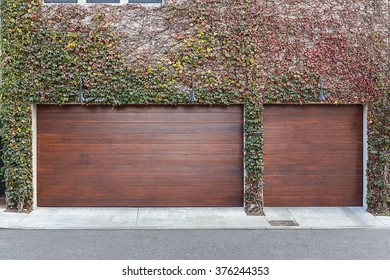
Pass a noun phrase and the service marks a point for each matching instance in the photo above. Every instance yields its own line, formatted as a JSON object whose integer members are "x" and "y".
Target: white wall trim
{"x": 365, "y": 154}
{"x": 244, "y": 173}
{"x": 34, "y": 154}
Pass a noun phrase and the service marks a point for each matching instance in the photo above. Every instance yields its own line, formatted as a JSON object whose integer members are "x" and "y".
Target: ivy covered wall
{"x": 250, "y": 52}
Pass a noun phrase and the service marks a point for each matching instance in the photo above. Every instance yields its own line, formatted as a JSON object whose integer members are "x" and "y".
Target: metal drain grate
{"x": 287, "y": 223}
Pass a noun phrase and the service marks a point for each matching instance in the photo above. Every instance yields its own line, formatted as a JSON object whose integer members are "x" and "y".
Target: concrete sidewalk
{"x": 192, "y": 218}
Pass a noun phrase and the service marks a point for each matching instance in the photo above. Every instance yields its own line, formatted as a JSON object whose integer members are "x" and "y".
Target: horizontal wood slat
{"x": 129, "y": 180}
{"x": 326, "y": 180}
{"x": 116, "y": 170}
{"x": 139, "y": 128}
{"x": 311, "y": 169}
{"x": 161, "y": 149}
{"x": 312, "y": 190}
{"x": 124, "y": 138}
{"x": 316, "y": 131}
{"x": 140, "y": 155}
{"x": 143, "y": 160}
{"x": 142, "y": 117}
{"x": 320, "y": 138}
{"x": 330, "y": 147}
{"x": 310, "y": 201}
{"x": 313, "y": 155}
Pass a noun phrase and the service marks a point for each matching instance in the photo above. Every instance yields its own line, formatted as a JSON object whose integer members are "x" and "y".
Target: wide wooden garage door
{"x": 140, "y": 156}
{"x": 313, "y": 155}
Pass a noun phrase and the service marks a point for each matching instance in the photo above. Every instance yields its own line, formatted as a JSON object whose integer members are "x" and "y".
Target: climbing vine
{"x": 250, "y": 52}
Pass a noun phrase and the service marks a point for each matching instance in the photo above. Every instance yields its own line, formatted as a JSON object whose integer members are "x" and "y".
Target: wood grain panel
{"x": 140, "y": 156}
{"x": 313, "y": 155}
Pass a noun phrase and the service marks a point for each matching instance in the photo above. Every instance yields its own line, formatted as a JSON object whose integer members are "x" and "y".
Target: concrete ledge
{"x": 333, "y": 217}
{"x": 11, "y": 220}
{"x": 80, "y": 218}
{"x": 192, "y": 218}
{"x": 198, "y": 218}
{"x": 384, "y": 219}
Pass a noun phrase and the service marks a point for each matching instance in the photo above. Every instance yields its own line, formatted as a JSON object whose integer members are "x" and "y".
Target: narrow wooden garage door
{"x": 313, "y": 155}
{"x": 140, "y": 156}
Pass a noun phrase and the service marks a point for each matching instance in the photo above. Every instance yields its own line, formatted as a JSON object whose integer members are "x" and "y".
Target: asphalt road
{"x": 195, "y": 244}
